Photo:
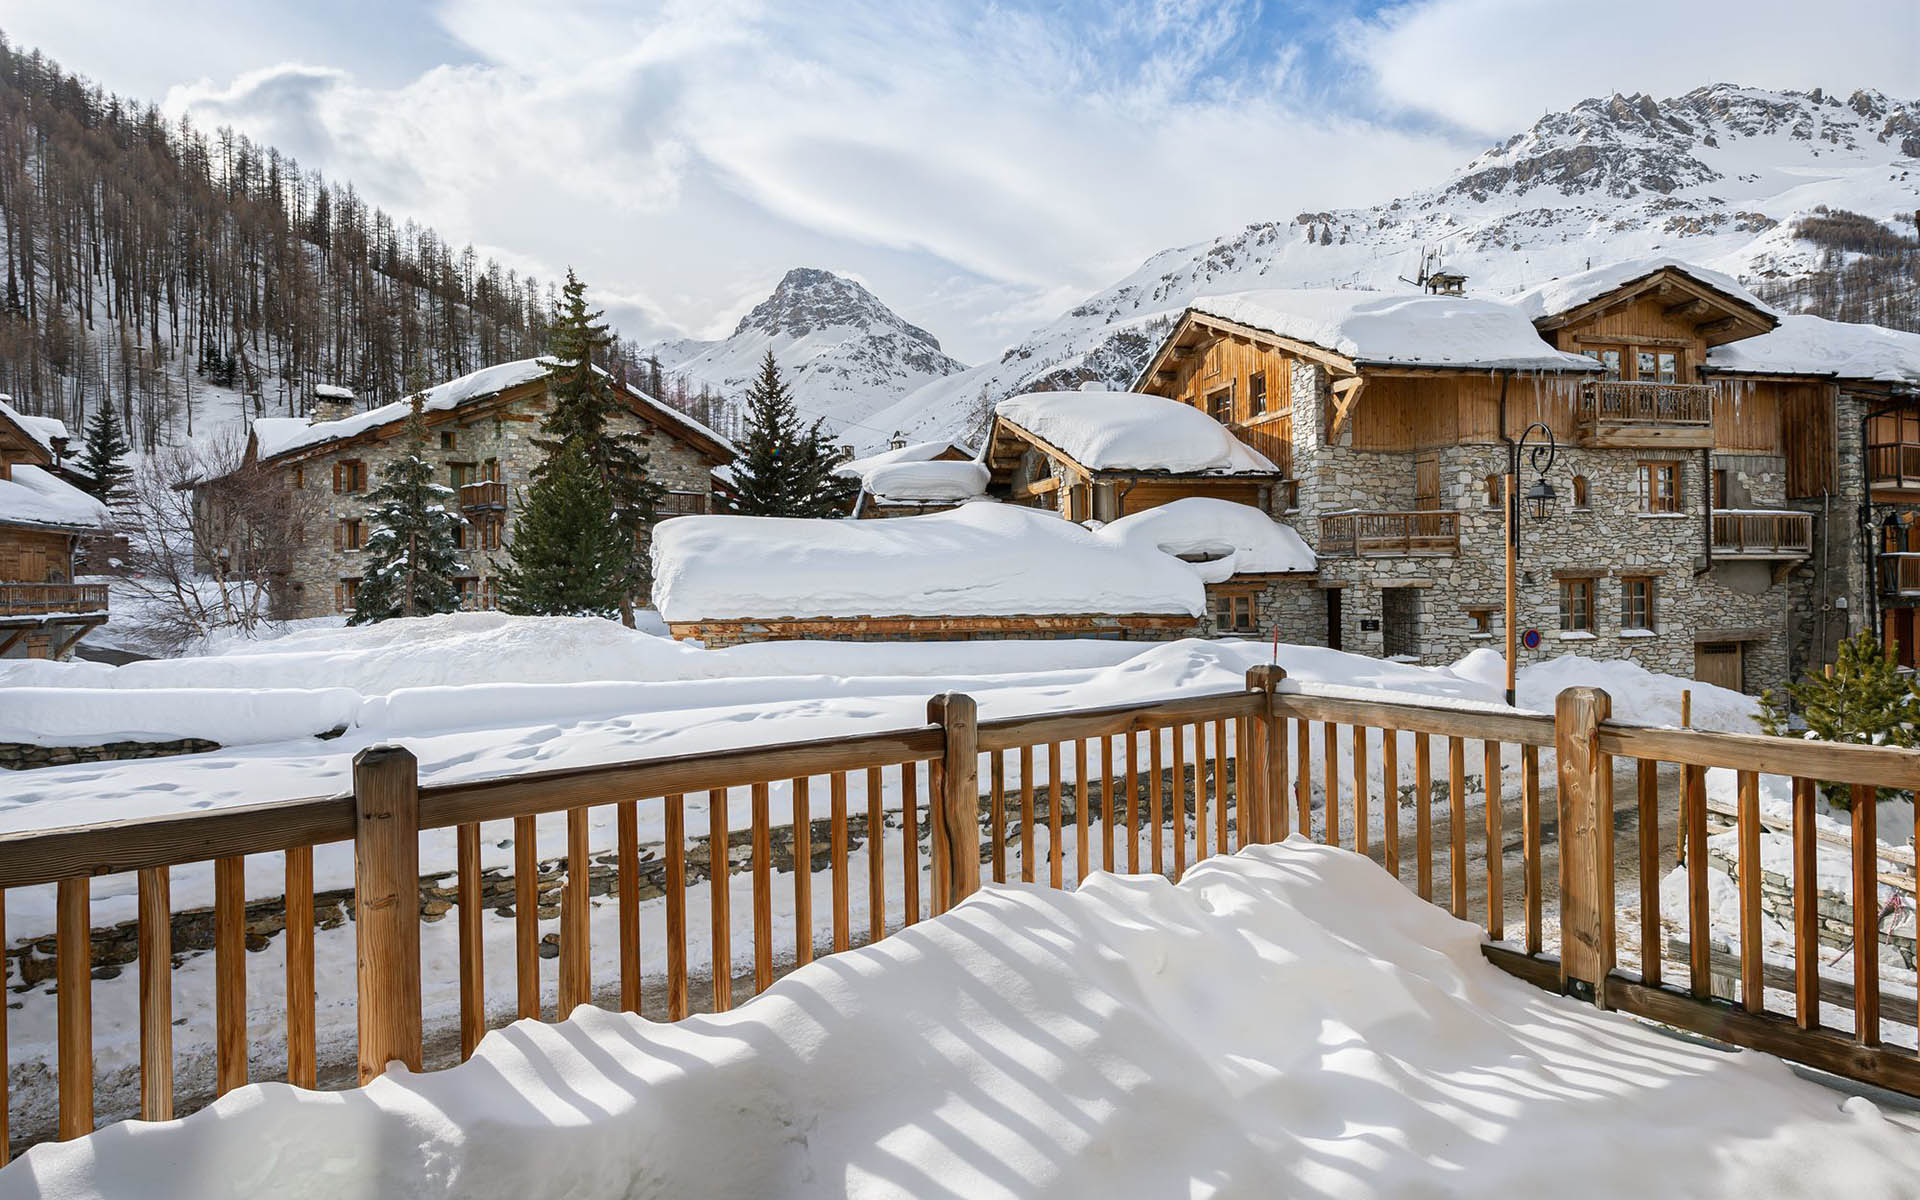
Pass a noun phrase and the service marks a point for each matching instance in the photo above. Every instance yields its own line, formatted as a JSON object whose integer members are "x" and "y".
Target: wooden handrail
{"x": 1762, "y": 532}
{"x": 1647, "y": 402}
{"x": 1369, "y": 534}
{"x": 20, "y": 599}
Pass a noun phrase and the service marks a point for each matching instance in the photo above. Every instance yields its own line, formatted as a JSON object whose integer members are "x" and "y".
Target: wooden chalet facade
{"x": 44, "y": 610}
{"x": 480, "y": 440}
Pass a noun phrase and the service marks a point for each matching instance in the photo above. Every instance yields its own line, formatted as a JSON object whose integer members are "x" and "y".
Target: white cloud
{"x": 1494, "y": 66}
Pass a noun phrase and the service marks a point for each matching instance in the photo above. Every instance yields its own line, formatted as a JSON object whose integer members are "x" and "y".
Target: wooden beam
{"x": 1343, "y": 402}
{"x": 1264, "y": 337}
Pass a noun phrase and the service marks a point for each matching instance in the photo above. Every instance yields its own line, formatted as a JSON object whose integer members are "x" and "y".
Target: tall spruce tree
{"x": 105, "y": 454}
{"x": 568, "y": 556}
{"x": 785, "y": 469}
{"x": 585, "y": 401}
{"x": 412, "y": 555}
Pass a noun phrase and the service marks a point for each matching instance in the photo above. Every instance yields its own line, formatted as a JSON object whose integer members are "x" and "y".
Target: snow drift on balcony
{"x": 1286, "y": 1021}
{"x": 928, "y": 481}
{"x": 35, "y": 496}
{"x": 1226, "y": 538}
{"x": 1401, "y": 328}
{"x": 980, "y": 560}
{"x": 1571, "y": 291}
{"x": 1809, "y": 345}
{"x": 1127, "y": 431}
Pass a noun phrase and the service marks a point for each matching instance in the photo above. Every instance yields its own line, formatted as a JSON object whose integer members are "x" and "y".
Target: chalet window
{"x": 1481, "y": 620}
{"x": 1495, "y": 488}
{"x": 1719, "y": 487}
{"x": 1220, "y": 404}
{"x": 1580, "y": 491}
{"x": 490, "y": 531}
{"x": 469, "y": 593}
{"x": 346, "y": 593}
{"x": 1426, "y": 482}
{"x": 1669, "y": 368}
{"x": 446, "y": 439}
{"x": 350, "y": 534}
{"x": 1659, "y": 487}
{"x": 1608, "y": 357}
{"x": 460, "y": 474}
{"x": 349, "y": 475}
{"x": 1576, "y": 605}
{"x": 1233, "y": 612}
{"x": 1256, "y": 394}
{"x": 490, "y": 470}
{"x": 1636, "y": 602}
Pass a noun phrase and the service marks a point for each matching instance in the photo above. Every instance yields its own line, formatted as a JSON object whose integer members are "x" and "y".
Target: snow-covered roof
{"x": 1397, "y": 328}
{"x": 1226, "y": 538}
{"x": 1809, "y": 345}
{"x": 1128, "y": 431}
{"x": 979, "y": 560}
{"x": 274, "y": 436}
{"x": 1571, "y": 291}
{"x": 36, "y": 496}
{"x": 41, "y": 429}
{"x": 858, "y": 468}
{"x": 928, "y": 481}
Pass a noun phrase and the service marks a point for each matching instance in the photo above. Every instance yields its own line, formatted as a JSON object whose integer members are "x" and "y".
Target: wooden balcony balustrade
{"x": 1900, "y": 573}
{"x": 1893, "y": 464}
{"x": 1631, "y": 413}
{"x": 1149, "y": 787}
{"x": 1390, "y": 534}
{"x": 38, "y": 599}
{"x": 1761, "y": 533}
{"x": 486, "y": 495}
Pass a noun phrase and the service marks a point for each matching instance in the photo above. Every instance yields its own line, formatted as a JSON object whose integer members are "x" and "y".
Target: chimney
{"x": 331, "y": 403}
{"x": 898, "y": 441}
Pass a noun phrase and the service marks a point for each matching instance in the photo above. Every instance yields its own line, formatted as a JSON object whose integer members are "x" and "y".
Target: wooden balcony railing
{"x": 1761, "y": 533}
{"x": 487, "y": 494}
{"x": 1389, "y": 534}
{"x": 1627, "y": 402}
{"x": 1893, "y": 464}
{"x": 30, "y": 599}
{"x": 1900, "y": 573}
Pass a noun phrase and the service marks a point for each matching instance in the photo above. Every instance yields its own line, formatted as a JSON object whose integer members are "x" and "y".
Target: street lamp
{"x": 1539, "y": 498}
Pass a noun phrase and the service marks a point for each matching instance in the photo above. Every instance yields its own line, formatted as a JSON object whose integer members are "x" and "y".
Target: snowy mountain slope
{"x": 845, "y": 353}
{"x": 1719, "y": 176}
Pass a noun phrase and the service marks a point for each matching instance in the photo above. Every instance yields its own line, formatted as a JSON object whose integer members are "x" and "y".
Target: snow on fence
{"x": 1145, "y": 787}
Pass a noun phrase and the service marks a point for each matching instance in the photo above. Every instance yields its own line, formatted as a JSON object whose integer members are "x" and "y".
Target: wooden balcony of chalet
{"x": 1893, "y": 466}
{"x": 1762, "y": 534}
{"x": 1390, "y": 534}
{"x": 488, "y": 495}
{"x": 44, "y": 599}
{"x": 1900, "y": 573}
{"x": 1624, "y": 413}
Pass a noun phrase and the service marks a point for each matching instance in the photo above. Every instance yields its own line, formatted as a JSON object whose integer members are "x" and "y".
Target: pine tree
{"x": 1862, "y": 697}
{"x": 784, "y": 469}
{"x": 105, "y": 455}
{"x": 568, "y": 556}
{"x": 585, "y": 402}
{"x": 412, "y": 552}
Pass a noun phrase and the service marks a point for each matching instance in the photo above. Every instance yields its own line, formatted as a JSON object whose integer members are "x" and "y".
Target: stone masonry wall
{"x": 24, "y": 756}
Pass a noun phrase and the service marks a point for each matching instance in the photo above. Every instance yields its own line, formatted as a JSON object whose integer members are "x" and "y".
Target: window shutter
{"x": 336, "y": 479}
{"x": 339, "y": 538}
{"x": 339, "y": 600}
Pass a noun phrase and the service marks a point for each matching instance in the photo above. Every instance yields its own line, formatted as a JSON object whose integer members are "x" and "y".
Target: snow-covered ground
{"x": 1288, "y": 1021}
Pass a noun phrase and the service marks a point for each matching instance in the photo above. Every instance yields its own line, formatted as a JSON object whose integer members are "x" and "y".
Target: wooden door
{"x": 1898, "y": 636}
{"x": 1719, "y": 663}
{"x": 1426, "y": 483}
{"x": 1333, "y": 618}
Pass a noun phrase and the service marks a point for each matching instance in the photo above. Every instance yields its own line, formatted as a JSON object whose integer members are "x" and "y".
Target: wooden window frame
{"x": 1256, "y": 394}
{"x": 448, "y": 440}
{"x": 349, "y": 476}
{"x": 1235, "y": 605}
{"x": 1576, "y": 604}
{"x": 1482, "y": 617}
{"x": 1207, "y": 405}
{"x": 1652, "y": 498}
{"x": 349, "y": 534}
{"x": 1640, "y": 612}
{"x": 1582, "y": 493}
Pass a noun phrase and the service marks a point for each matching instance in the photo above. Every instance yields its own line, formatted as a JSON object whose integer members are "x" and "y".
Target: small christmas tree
{"x": 568, "y": 556}
{"x": 1862, "y": 697}
{"x": 413, "y": 550}
{"x": 785, "y": 469}
{"x": 105, "y": 455}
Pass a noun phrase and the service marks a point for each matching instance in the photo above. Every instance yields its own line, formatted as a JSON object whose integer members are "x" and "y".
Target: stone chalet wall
{"x": 507, "y": 436}
{"x": 24, "y": 756}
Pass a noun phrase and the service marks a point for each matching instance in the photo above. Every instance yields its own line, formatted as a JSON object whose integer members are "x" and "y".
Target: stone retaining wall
{"x": 24, "y": 756}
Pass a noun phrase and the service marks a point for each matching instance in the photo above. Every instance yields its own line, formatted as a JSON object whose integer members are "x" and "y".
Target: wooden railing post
{"x": 1586, "y": 840}
{"x": 1270, "y": 753}
{"x": 959, "y": 799}
{"x": 386, "y": 906}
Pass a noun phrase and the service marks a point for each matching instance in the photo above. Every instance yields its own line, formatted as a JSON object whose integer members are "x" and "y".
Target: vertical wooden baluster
{"x": 1156, "y": 803}
{"x": 837, "y": 834}
{"x": 1179, "y": 742}
{"x": 302, "y": 1030}
{"x": 1423, "y": 814}
{"x": 1132, "y": 805}
{"x": 876, "y": 856}
{"x": 1530, "y": 835}
{"x": 937, "y": 860}
{"x": 1026, "y": 814}
{"x": 1222, "y": 788}
{"x": 1279, "y": 810}
{"x": 1082, "y": 802}
{"x": 675, "y": 833}
{"x": 997, "y": 812}
{"x": 1056, "y": 849}
{"x": 1303, "y": 775}
{"x": 910, "y": 839}
{"x": 1109, "y": 809}
{"x": 802, "y": 872}
{"x": 1747, "y": 836}
{"x": 1457, "y": 822}
{"x": 1648, "y": 779}
{"x": 473, "y": 978}
{"x": 1390, "y": 800}
{"x": 1866, "y": 917}
{"x": 1496, "y": 836}
{"x": 73, "y": 970}
{"x": 576, "y": 949}
{"x": 762, "y": 888}
{"x": 1201, "y": 829}
{"x": 720, "y": 892}
{"x": 526, "y": 915}
{"x": 1806, "y": 911}
{"x": 627, "y": 884}
{"x": 230, "y": 973}
{"x": 1330, "y": 803}
{"x": 1360, "y": 814}
{"x": 1246, "y": 819}
{"x": 156, "y": 997}
{"x": 1693, "y": 811}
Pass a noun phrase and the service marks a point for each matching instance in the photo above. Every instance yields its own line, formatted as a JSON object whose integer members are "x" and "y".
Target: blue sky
{"x": 981, "y": 167}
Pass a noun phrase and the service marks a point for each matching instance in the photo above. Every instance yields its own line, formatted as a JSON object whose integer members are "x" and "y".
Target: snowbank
{"x": 1231, "y": 538}
{"x": 1286, "y": 1021}
{"x": 1639, "y": 696}
{"x": 36, "y": 496}
{"x": 953, "y": 481}
{"x": 979, "y": 560}
{"x": 1127, "y": 431}
{"x": 1809, "y": 345}
{"x": 1571, "y": 291}
{"x": 56, "y": 716}
{"x": 1399, "y": 328}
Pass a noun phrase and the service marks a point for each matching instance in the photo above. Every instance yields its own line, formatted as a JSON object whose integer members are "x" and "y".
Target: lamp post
{"x": 1540, "y": 498}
